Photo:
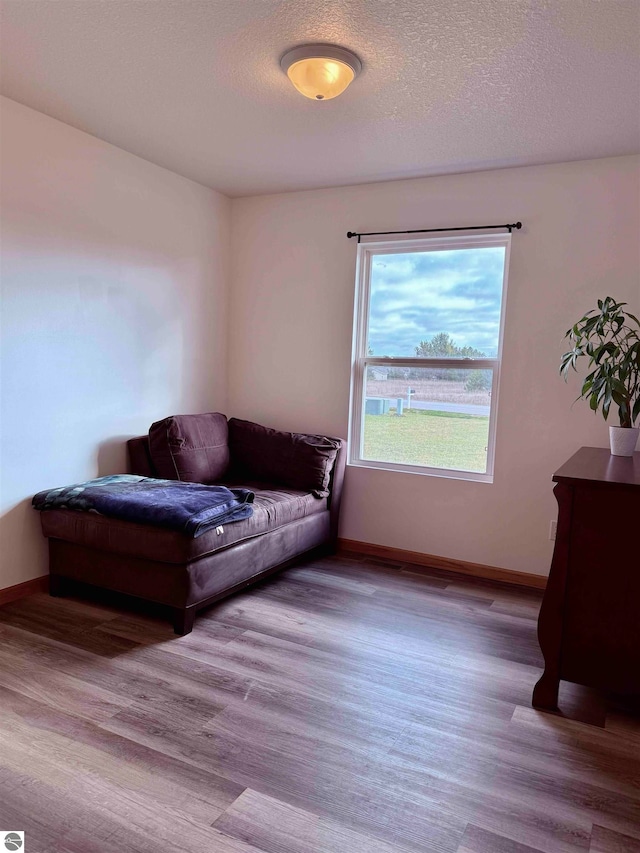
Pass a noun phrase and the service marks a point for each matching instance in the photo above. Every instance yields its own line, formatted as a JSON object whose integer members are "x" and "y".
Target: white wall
{"x": 291, "y": 312}
{"x": 114, "y": 312}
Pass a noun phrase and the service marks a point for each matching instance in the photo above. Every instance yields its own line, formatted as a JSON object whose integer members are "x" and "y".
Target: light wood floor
{"x": 345, "y": 706}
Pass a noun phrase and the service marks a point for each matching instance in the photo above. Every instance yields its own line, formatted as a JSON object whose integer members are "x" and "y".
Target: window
{"x": 426, "y": 354}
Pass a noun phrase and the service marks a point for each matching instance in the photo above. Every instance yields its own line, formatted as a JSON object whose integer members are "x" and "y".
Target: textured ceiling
{"x": 447, "y": 85}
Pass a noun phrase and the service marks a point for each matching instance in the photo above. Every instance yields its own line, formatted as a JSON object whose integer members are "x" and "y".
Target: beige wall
{"x": 291, "y": 312}
{"x": 115, "y": 281}
{"x": 114, "y": 289}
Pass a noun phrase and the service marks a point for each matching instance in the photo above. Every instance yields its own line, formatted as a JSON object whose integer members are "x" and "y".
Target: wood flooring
{"x": 347, "y": 705}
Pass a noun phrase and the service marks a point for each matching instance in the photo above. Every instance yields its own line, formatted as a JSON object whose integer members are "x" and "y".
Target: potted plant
{"x": 609, "y": 337}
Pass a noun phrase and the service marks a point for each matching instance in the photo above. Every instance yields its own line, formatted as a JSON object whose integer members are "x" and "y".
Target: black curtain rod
{"x": 510, "y": 227}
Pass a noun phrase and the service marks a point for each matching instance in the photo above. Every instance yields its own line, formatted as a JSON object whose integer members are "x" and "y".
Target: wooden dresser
{"x": 589, "y": 625}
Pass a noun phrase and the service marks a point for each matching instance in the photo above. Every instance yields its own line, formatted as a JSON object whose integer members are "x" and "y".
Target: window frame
{"x": 360, "y": 361}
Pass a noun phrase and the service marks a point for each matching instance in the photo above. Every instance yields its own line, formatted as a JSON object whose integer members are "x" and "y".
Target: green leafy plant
{"x": 609, "y": 337}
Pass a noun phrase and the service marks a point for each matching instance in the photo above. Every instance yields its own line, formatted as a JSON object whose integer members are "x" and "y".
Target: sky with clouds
{"x": 415, "y": 296}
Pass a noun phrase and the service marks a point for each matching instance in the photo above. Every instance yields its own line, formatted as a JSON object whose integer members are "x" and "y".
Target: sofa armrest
{"x": 336, "y": 485}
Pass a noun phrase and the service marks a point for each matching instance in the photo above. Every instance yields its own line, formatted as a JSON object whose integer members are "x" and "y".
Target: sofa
{"x": 297, "y": 480}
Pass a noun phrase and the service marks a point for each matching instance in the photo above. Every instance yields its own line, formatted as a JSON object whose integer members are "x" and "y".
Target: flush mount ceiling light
{"x": 320, "y": 71}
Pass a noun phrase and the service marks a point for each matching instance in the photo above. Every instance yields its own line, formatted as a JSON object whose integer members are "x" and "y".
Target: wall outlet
{"x": 553, "y": 526}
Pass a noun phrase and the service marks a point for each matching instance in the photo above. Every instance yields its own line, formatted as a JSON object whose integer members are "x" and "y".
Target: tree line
{"x": 442, "y": 345}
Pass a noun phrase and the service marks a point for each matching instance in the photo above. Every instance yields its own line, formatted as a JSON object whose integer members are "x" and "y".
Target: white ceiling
{"x": 447, "y": 85}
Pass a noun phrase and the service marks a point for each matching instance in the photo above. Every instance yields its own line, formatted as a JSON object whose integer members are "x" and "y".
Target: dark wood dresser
{"x": 589, "y": 625}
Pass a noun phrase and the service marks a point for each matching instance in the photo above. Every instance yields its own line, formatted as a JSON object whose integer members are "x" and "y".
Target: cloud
{"x": 415, "y": 296}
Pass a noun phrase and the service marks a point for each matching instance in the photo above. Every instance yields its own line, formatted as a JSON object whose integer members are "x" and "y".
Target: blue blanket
{"x": 190, "y": 508}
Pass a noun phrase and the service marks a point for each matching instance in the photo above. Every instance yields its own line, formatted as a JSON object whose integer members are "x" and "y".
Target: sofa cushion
{"x": 193, "y": 448}
{"x": 296, "y": 460}
{"x": 272, "y": 508}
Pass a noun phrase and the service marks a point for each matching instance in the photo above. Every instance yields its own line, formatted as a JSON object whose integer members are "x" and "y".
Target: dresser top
{"x": 596, "y": 464}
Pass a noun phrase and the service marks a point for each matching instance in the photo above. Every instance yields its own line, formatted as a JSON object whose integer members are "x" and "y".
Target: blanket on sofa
{"x": 190, "y": 508}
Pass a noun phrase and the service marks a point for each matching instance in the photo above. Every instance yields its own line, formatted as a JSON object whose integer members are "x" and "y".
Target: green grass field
{"x": 436, "y": 439}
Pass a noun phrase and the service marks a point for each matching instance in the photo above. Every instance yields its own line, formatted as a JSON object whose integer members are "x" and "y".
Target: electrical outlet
{"x": 552, "y": 529}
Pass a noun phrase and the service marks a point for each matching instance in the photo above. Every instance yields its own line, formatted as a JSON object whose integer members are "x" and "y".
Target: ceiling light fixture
{"x": 320, "y": 71}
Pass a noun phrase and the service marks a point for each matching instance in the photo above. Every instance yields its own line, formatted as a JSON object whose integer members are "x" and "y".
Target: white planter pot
{"x": 623, "y": 440}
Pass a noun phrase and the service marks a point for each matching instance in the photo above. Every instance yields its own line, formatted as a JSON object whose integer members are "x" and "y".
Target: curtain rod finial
{"x": 351, "y": 234}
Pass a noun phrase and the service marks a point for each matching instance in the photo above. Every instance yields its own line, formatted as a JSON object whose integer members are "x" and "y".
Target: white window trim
{"x": 360, "y": 360}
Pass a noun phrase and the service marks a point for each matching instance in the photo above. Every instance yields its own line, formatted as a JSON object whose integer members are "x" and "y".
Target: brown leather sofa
{"x": 297, "y": 480}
